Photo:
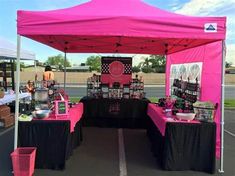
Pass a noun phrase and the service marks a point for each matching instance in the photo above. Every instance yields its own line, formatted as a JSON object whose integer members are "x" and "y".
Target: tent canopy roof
{"x": 123, "y": 26}
{"x": 8, "y": 51}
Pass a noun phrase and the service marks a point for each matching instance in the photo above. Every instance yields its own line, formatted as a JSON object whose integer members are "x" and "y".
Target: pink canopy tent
{"x": 123, "y": 26}
{"x": 132, "y": 26}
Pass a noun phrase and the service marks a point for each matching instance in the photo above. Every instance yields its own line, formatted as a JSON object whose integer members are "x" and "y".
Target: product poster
{"x": 116, "y": 69}
{"x": 185, "y": 72}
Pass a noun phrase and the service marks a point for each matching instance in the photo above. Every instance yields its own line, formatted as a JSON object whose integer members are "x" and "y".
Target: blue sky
{"x": 8, "y": 10}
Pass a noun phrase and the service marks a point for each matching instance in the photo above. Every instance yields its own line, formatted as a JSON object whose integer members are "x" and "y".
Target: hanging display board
{"x": 116, "y": 69}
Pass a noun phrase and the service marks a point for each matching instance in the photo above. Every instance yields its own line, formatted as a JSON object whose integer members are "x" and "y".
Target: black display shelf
{"x": 7, "y": 79}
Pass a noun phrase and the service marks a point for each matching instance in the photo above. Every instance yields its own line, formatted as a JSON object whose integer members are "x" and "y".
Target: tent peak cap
{"x": 118, "y": 8}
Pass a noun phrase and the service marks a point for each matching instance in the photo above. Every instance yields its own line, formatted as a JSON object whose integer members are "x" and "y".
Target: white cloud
{"x": 206, "y": 7}
{"x": 230, "y": 55}
{"x": 175, "y": 5}
{"x": 58, "y": 4}
{"x": 138, "y": 58}
{"x": 215, "y": 8}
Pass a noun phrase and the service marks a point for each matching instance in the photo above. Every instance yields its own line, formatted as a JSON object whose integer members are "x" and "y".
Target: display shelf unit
{"x": 7, "y": 79}
{"x": 105, "y": 90}
{"x": 96, "y": 89}
{"x": 116, "y": 91}
{"x": 136, "y": 88}
{"x": 93, "y": 87}
{"x": 126, "y": 91}
{"x": 187, "y": 91}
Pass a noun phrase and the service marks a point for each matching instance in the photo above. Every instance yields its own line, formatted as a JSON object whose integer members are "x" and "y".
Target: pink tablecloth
{"x": 158, "y": 117}
{"x": 75, "y": 114}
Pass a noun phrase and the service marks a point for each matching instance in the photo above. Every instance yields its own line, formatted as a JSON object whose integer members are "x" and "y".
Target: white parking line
{"x": 226, "y": 131}
{"x": 122, "y": 155}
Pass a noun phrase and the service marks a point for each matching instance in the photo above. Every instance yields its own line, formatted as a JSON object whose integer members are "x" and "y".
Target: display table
{"x": 8, "y": 98}
{"x": 181, "y": 145}
{"x": 55, "y": 139}
{"x": 119, "y": 113}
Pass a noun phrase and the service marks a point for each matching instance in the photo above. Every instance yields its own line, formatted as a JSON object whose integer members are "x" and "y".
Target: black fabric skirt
{"x": 184, "y": 146}
{"x": 115, "y": 113}
{"x": 53, "y": 140}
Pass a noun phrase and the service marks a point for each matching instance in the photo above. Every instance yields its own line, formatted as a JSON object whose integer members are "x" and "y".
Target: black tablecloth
{"x": 53, "y": 140}
{"x": 120, "y": 113}
{"x": 184, "y": 146}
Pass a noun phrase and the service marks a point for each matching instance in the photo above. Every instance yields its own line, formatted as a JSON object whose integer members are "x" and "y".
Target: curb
{"x": 229, "y": 108}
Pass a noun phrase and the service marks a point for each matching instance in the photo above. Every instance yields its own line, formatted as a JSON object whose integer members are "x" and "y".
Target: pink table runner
{"x": 75, "y": 114}
{"x": 158, "y": 117}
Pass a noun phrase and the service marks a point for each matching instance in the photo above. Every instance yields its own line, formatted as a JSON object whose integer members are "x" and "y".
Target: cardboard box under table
{"x": 6, "y": 118}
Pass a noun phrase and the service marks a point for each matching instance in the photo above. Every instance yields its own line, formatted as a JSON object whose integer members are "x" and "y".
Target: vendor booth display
{"x": 115, "y": 80}
{"x": 133, "y": 90}
{"x": 6, "y": 112}
{"x": 148, "y": 30}
{"x": 8, "y": 51}
{"x": 53, "y": 127}
{"x": 55, "y": 138}
{"x": 181, "y": 145}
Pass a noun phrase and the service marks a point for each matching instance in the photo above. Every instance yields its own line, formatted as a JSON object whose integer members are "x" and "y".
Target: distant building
{"x": 38, "y": 68}
{"x": 83, "y": 68}
{"x": 230, "y": 70}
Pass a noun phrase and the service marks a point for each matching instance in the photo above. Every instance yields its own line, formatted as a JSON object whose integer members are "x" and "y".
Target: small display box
{"x": 61, "y": 108}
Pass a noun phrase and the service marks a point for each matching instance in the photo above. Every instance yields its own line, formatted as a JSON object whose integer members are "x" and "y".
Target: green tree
{"x": 146, "y": 69}
{"x": 57, "y": 61}
{"x": 153, "y": 63}
{"x": 228, "y": 64}
{"x": 136, "y": 69}
{"x": 158, "y": 63}
{"x": 22, "y": 65}
{"x": 146, "y": 63}
{"x": 94, "y": 62}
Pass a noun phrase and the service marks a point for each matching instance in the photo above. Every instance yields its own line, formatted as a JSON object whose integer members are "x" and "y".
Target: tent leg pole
{"x": 221, "y": 170}
{"x": 168, "y": 88}
{"x": 17, "y": 91}
{"x": 65, "y": 59}
{"x": 35, "y": 70}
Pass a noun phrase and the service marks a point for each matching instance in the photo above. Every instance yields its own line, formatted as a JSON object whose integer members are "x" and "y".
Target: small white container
{"x": 185, "y": 116}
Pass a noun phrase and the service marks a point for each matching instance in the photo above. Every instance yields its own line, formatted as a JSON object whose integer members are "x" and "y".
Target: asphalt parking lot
{"x": 99, "y": 154}
{"x": 157, "y": 91}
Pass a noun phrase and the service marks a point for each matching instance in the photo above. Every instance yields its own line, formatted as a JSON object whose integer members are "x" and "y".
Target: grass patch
{"x": 153, "y": 99}
{"x": 75, "y": 99}
{"x": 227, "y": 103}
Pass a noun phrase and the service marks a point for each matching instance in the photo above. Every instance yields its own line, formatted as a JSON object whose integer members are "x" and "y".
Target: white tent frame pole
{"x": 65, "y": 59}
{"x": 221, "y": 170}
{"x": 35, "y": 69}
{"x": 17, "y": 90}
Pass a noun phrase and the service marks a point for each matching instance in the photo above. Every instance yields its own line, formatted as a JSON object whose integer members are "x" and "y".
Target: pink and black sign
{"x": 116, "y": 69}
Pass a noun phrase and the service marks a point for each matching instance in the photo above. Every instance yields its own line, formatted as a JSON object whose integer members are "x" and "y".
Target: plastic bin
{"x": 205, "y": 110}
{"x": 23, "y": 161}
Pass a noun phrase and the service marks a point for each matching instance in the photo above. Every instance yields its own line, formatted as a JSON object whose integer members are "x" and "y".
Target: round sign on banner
{"x": 116, "y": 68}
